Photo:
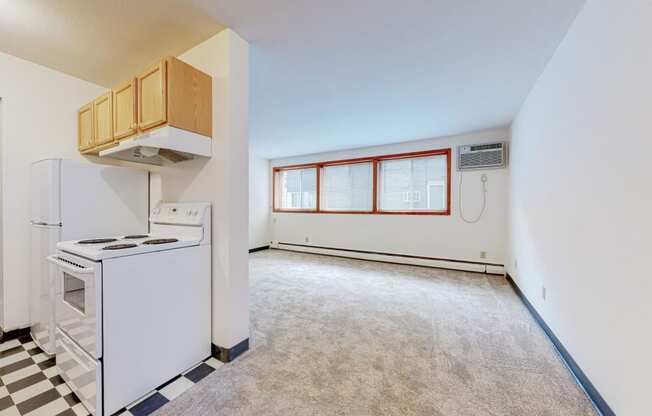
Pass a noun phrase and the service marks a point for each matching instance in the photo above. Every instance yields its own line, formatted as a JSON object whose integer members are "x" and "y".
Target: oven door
{"x": 78, "y": 290}
{"x": 81, "y": 372}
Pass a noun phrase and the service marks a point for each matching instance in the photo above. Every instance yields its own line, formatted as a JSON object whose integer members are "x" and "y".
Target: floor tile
{"x": 14, "y": 362}
{"x": 51, "y": 372}
{"x": 148, "y": 405}
{"x": 38, "y": 358}
{"x": 49, "y": 408}
{"x": 9, "y": 352}
{"x": 199, "y": 372}
{"x": 31, "y": 386}
{"x": 20, "y": 374}
{"x": 214, "y": 362}
{"x": 31, "y": 391}
{"x": 71, "y": 399}
{"x": 56, "y": 380}
{"x": 11, "y": 411}
{"x": 63, "y": 389}
{"x": 38, "y": 400}
{"x": 174, "y": 389}
{"x": 9, "y": 344}
{"x": 47, "y": 364}
{"x": 25, "y": 382}
{"x": 6, "y": 402}
{"x": 80, "y": 410}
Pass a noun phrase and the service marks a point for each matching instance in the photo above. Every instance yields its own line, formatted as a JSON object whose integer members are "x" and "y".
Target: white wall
{"x": 39, "y": 120}
{"x": 445, "y": 237}
{"x": 259, "y": 201}
{"x": 222, "y": 180}
{"x": 581, "y": 198}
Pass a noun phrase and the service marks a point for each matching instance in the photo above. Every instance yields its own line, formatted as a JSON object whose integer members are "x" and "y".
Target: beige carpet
{"x": 346, "y": 337}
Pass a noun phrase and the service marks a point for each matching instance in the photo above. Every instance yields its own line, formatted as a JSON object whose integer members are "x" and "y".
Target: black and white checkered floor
{"x": 30, "y": 385}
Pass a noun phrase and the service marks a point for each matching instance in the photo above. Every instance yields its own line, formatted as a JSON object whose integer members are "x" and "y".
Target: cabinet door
{"x": 124, "y": 110}
{"x": 103, "y": 119}
{"x": 85, "y": 127}
{"x": 152, "y": 97}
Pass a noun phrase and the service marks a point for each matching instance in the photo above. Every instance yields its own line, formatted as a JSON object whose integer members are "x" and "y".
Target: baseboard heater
{"x": 469, "y": 266}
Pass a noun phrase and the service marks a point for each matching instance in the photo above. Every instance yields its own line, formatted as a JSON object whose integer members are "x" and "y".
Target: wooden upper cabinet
{"x": 152, "y": 97}
{"x": 170, "y": 93}
{"x": 103, "y": 119}
{"x": 85, "y": 127}
{"x": 190, "y": 98}
{"x": 176, "y": 94}
{"x": 125, "y": 122}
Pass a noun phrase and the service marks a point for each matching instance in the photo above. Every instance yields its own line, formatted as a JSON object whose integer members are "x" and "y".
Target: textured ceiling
{"x": 338, "y": 74}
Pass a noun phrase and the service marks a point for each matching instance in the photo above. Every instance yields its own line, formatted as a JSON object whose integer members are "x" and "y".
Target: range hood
{"x": 169, "y": 143}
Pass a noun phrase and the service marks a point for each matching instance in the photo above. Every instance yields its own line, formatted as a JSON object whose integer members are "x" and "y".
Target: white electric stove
{"x": 134, "y": 311}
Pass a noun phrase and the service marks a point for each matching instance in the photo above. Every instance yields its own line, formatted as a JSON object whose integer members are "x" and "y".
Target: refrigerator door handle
{"x": 45, "y": 224}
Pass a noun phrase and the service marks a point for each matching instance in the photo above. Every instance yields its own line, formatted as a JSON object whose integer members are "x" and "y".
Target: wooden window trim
{"x": 296, "y": 210}
{"x": 375, "y": 161}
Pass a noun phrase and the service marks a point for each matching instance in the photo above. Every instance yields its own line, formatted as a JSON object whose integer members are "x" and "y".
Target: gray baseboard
{"x": 16, "y": 333}
{"x": 229, "y": 354}
{"x": 582, "y": 379}
{"x": 253, "y": 250}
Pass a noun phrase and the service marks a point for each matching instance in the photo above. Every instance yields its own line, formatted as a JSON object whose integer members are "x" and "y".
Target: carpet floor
{"x": 332, "y": 336}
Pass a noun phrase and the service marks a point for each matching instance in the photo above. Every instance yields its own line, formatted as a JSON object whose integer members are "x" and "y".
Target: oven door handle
{"x": 70, "y": 266}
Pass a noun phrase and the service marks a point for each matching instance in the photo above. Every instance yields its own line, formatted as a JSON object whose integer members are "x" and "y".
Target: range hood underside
{"x": 169, "y": 143}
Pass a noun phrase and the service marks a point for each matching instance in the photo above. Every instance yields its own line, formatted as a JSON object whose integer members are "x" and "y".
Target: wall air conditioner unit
{"x": 482, "y": 156}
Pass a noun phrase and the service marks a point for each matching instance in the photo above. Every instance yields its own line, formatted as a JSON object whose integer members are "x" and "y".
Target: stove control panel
{"x": 181, "y": 213}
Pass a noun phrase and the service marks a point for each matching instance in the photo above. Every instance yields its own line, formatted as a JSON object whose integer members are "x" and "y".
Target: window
{"x": 410, "y": 183}
{"x": 347, "y": 187}
{"x": 414, "y": 184}
{"x": 297, "y": 189}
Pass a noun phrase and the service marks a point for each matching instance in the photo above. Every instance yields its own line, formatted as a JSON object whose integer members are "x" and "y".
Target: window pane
{"x": 298, "y": 188}
{"x": 347, "y": 187}
{"x": 417, "y": 184}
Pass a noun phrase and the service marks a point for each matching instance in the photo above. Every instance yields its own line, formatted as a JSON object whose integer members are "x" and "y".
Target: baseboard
{"x": 16, "y": 333}
{"x": 440, "y": 263}
{"x": 253, "y": 250}
{"x": 229, "y": 354}
{"x": 582, "y": 379}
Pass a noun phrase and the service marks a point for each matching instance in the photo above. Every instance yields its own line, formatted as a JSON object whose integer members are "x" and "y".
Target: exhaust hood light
{"x": 146, "y": 151}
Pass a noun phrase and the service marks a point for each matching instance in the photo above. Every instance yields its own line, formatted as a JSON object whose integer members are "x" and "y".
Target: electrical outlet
{"x": 515, "y": 265}
{"x": 307, "y": 239}
{"x": 483, "y": 254}
{"x": 543, "y": 292}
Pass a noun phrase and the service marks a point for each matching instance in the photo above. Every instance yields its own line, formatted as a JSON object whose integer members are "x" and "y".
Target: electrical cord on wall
{"x": 484, "y": 180}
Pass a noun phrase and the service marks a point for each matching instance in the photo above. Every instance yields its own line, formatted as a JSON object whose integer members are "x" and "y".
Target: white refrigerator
{"x": 73, "y": 200}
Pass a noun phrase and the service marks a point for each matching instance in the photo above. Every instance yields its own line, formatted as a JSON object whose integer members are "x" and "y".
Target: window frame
{"x": 298, "y": 210}
{"x": 375, "y": 161}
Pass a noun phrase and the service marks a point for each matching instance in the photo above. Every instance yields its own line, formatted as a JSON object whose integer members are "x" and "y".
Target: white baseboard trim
{"x": 396, "y": 259}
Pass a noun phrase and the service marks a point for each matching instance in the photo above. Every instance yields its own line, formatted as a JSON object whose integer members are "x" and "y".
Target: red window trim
{"x": 375, "y": 160}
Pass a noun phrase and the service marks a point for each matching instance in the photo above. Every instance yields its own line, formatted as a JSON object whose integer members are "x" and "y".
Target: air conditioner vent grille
{"x": 484, "y": 156}
{"x": 486, "y": 146}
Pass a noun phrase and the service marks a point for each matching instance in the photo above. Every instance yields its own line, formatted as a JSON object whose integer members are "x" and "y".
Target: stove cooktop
{"x": 128, "y": 245}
